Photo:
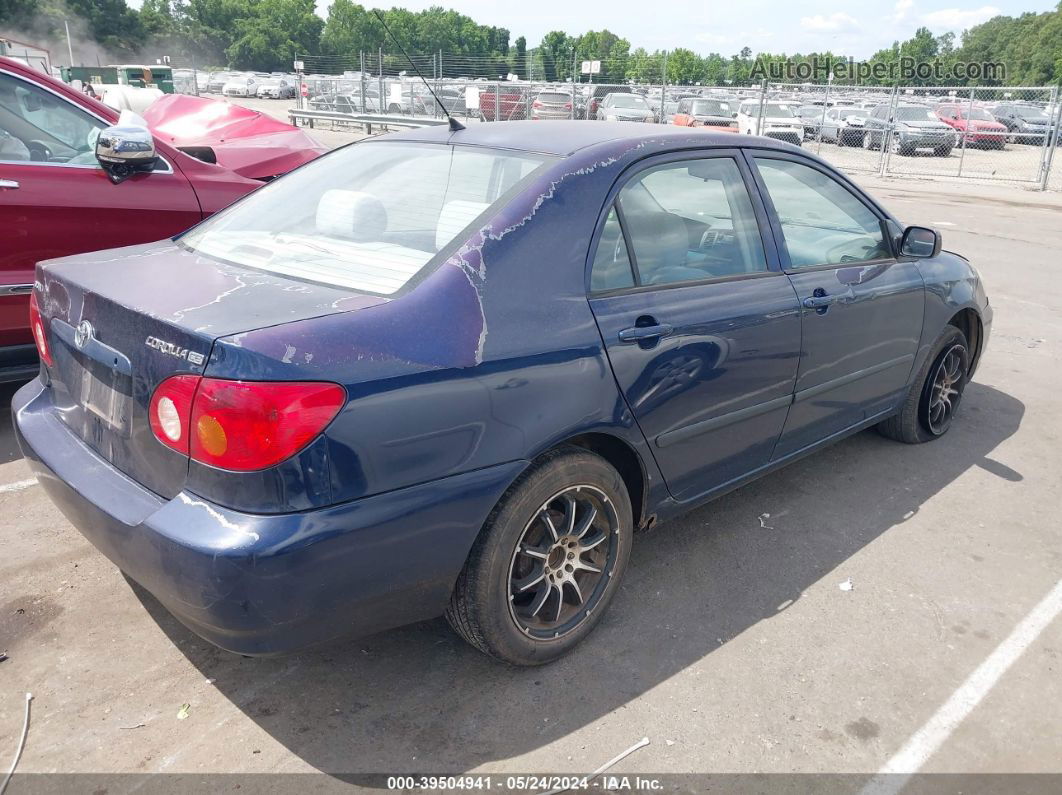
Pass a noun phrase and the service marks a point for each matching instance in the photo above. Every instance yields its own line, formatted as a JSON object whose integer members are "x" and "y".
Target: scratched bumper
{"x": 266, "y": 584}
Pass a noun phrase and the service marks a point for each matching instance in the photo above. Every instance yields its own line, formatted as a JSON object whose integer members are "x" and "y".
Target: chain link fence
{"x": 986, "y": 134}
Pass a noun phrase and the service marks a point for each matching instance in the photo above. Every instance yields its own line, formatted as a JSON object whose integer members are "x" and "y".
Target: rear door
{"x": 55, "y": 200}
{"x": 701, "y": 328}
{"x": 861, "y": 308}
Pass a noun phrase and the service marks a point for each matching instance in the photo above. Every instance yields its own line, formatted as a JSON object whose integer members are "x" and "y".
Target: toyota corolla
{"x": 453, "y": 372}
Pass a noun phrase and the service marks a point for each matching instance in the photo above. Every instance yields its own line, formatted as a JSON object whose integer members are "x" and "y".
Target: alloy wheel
{"x": 945, "y": 391}
{"x": 562, "y": 562}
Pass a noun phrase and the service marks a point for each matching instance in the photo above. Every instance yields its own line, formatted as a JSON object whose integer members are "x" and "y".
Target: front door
{"x": 861, "y": 308}
{"x": 703, "y": 334}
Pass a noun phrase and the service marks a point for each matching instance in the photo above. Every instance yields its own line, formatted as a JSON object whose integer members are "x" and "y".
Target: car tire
{"x": 942, "y": 151}
{"x": 518, "y": 545}
{"x": 945, "y": 370}
{"x": 868, "y": 141}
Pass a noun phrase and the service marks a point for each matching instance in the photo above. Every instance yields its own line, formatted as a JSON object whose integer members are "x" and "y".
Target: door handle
{"x": 10, "y": 184}
{"x": 642, "y": 333}
{"x": 819, "y": 301}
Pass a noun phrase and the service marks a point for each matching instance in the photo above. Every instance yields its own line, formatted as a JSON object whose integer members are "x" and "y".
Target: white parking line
{"x": 894, "y": 776}
{"x": 18, "y": 485}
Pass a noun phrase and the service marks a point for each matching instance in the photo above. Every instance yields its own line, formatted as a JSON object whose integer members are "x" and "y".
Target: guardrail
{"x": 366, "y": 120}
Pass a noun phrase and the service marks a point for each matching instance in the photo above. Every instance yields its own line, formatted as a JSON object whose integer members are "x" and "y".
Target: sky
{"x": 860, "y": 29}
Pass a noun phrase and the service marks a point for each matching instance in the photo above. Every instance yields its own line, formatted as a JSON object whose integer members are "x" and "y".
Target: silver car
{"x": 625, "y": 107}
{"x": 552, "y": 105}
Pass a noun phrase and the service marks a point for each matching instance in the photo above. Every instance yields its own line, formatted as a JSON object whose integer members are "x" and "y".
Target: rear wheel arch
{"x": 624, "y": 460}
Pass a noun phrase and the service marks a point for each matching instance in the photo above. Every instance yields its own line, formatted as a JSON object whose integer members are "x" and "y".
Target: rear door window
{"x": 687, "y": 221}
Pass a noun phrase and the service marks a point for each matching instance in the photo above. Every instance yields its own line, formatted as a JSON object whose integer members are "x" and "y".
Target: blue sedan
{"x": 453, "y": 372}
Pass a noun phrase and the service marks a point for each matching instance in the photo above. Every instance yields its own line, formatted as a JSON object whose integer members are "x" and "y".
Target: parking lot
{"x": 732, "y": 645}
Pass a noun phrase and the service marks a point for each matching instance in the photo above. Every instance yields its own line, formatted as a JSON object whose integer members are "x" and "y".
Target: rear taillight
{"x": 567, "y": 106}
{"x": 536, "y": 104}
{"x": 170, "y": 411}
{"x": 37, "y": 328}
{"x": 241, "y": 425}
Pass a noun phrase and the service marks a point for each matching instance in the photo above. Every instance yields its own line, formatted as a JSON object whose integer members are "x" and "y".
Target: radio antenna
{"x": 455, "y": 125}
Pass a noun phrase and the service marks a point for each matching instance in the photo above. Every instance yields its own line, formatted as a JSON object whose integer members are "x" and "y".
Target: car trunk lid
{"x": 122, "y": 321}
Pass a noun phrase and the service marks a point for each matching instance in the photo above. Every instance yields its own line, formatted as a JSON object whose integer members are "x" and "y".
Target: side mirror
{"x": 124, "y": 150}
{"x": 920, "y": 241}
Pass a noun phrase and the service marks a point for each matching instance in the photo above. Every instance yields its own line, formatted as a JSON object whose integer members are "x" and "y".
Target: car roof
{"x": 565, "y": 137}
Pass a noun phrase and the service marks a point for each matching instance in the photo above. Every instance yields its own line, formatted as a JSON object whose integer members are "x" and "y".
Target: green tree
{"x": 684, "y": 67}
{"x": 556, "y": 54}
{"x": 269, "y": 39}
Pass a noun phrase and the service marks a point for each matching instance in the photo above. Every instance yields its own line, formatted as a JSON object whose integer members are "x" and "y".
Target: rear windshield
{"x": 554, "y": 97}
{"x": 628, "y": 101}
{"x": 915, "y": 113}
{"x": 368, "y": 217}
{"x": 777, "y": 110}
{"x": 1030, "y": 113}
{"x": 773, "y": 110}
{"x": 710, "y": 107}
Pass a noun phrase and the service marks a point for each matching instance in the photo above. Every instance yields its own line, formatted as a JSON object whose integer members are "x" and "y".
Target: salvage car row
{"x": 912, "y": 124}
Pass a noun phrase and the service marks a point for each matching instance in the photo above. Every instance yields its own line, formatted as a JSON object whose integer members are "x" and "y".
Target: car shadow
{"x": 8, "y": 443}
{"x": 418, "y": 698}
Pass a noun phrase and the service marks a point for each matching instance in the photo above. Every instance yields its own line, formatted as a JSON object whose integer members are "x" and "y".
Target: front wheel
{"x": 935, "y": 394}
{"x": 548, "y": 561}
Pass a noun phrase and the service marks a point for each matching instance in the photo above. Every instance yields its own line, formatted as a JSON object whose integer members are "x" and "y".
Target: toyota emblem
{"x": 83, "y": 333}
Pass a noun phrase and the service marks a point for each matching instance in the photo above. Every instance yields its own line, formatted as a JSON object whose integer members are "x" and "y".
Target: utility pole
{"x": 69, "y": 46}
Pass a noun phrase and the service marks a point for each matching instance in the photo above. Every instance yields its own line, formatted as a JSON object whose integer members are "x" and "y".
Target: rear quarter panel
{"x": 493, "y": 357}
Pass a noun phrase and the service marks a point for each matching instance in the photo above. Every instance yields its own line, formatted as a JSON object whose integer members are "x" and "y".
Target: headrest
{"x": 352, "y": 215}
{"x": 455, "y": 216}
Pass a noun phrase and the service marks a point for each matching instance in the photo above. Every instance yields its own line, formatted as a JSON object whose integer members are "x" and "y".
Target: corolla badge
{"x": 83, "y": 333}
{"x": 173, "y": 349}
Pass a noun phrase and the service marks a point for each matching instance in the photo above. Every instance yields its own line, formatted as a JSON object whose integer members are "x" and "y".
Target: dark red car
{"x": 56, "y": 200}
{"x": 975, "y": 124}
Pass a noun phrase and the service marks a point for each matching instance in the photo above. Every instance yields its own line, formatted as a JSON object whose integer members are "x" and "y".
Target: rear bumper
{"x": 266, "y": 584}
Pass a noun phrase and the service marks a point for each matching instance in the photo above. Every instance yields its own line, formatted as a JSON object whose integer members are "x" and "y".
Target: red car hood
{"x": 250, "y": 143}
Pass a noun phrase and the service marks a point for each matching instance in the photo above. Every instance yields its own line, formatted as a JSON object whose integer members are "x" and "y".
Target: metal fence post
{"x": 361, "y": 80}
{"x": 663, "y": 88}
{"x": 966, "y": 133}
{"x": 825, "y": 108}
{"x": 1053, "y": 136}
{"x": 497, "y": 101}
{"x": 571, "y": 80}
{"x": 379, "y": 70}
{"x": 762, "y": 108}
{"x": 886, "y": 134}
